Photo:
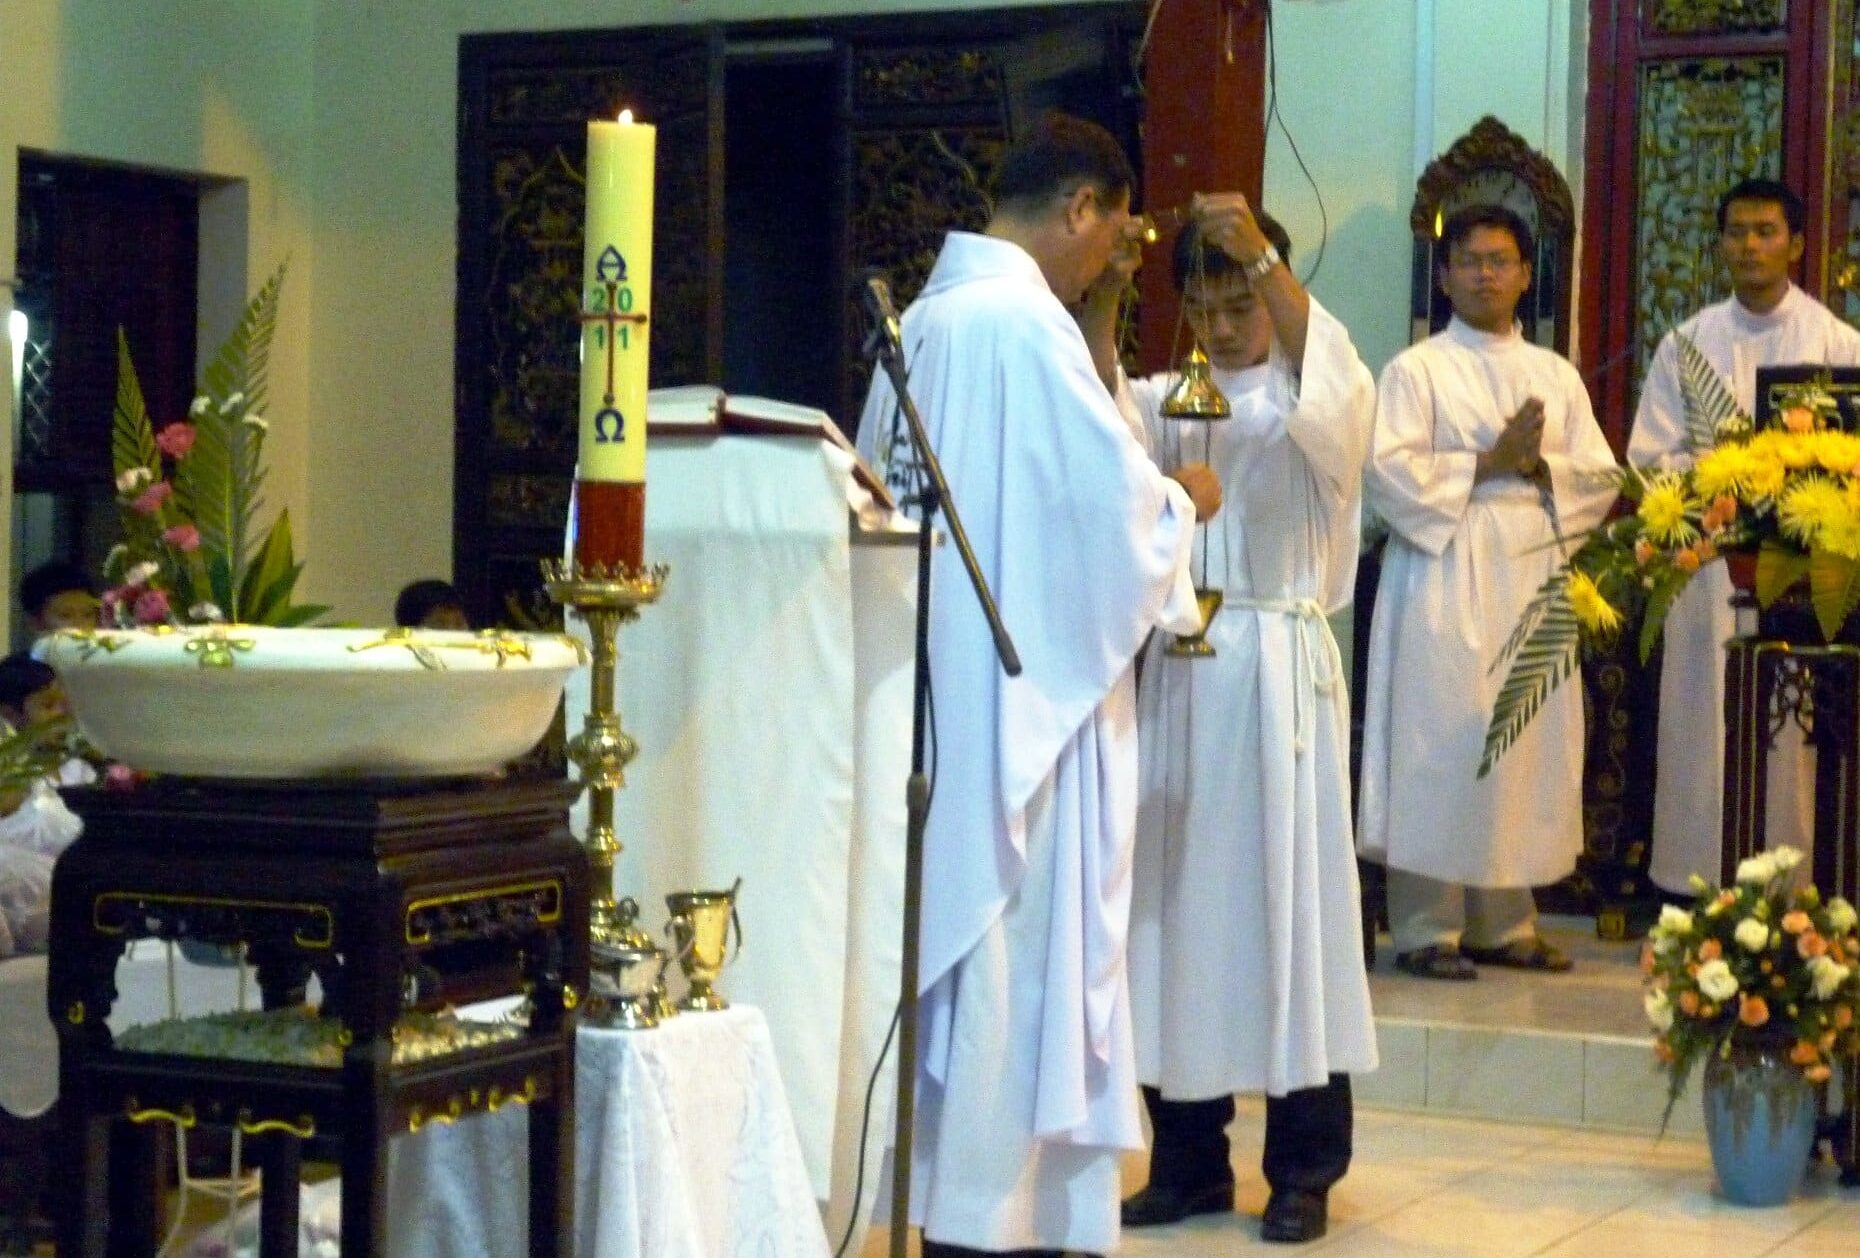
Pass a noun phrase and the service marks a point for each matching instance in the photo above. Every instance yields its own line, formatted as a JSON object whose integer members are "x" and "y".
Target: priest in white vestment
{"x": 1246, "y": 949}
{"x": 1485, "y": 454}
{"x": 1026, "y": 1078}
{"x": 1766, "y": 322}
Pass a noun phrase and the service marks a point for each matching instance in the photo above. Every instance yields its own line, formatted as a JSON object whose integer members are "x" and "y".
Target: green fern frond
{"x": 132, "y": 436}
{"x": 1711, "y": 411}
{"x": 1542, "y": 661}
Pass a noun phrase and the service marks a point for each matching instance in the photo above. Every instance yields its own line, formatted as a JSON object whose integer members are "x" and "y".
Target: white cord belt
{"x": 1317, "y": 664}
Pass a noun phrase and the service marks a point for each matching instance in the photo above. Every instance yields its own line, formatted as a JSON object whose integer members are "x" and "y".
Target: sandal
{"x": 1442, "y": 961}
{"x": 1523, "y": 954}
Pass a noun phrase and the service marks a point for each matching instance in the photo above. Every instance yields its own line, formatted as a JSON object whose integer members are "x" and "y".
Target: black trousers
{"x": 1307, "y": 1139}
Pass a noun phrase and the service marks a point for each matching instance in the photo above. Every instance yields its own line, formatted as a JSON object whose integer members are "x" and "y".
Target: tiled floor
{"x": 1430, "y": 1187}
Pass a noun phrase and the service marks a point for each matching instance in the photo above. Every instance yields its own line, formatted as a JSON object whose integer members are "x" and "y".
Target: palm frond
{"x": 132, "y": 436}
{"x": 236, "y": 383}
{"x": 1542, "y": 660}
{"x": 1710, "y": 408}
{"x": 1555, "y": 586}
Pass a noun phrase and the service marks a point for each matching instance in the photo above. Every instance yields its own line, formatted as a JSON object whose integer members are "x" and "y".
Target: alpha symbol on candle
{"x": 604, "y": 420}
{"x": 611, "y": 266}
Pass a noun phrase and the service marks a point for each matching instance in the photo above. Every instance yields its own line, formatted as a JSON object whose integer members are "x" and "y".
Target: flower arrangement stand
{"x": 399, "y": 896}
{"x": 1767, "y": 683}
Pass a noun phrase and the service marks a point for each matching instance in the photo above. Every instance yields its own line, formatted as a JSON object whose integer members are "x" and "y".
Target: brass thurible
{"x": 605, "y": 598}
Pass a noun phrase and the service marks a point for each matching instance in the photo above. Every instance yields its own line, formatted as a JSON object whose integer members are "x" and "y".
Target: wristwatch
{"x": 1257, "y": 268}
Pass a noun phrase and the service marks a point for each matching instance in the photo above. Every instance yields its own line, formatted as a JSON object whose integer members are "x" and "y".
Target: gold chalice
{"x": 700, "y": 928}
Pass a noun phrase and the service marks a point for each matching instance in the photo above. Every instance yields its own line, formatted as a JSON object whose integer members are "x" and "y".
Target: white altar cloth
{"x": 684, "y": 1148}
{"x": 769, "y": 691}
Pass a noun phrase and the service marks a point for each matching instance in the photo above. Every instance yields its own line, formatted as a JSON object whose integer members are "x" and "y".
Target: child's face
{"x": 69, "y": 609}
{"x": 45, "y": 703}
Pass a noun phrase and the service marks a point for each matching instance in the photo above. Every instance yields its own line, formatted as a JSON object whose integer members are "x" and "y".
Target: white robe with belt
{"x": 1246, "y": 950}
{"x": 1026, "y": 1075}
{"x": 1462, "y": 562}
{"x": 1689, "y": 782}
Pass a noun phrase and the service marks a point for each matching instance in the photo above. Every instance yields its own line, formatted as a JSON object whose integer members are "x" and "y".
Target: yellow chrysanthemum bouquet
{"x": 1788, "y": 495}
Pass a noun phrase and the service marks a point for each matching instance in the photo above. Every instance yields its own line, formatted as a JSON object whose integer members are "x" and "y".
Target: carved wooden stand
{"x": 394, "y": 895}
{"x": 1766, "y": 684}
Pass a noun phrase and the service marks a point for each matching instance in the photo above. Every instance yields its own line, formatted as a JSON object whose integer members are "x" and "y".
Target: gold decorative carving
{"x": 469, "y": 914}
{"x": 1704, "y": 124}
{"x": 927, "y": 76}
{"x": 1492, "y": 145}
{"x": 426, "y": 648}
{"x": 1713, "y": 17}
{"x": 139, "y": 914}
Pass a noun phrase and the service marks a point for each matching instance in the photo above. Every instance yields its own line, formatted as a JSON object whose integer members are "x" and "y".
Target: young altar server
{"x": 1766, "y": 321}
{"x": 1485, "y": 451}
{"x": 1246, "y": 950}
{"x": 1026, "y": 1078}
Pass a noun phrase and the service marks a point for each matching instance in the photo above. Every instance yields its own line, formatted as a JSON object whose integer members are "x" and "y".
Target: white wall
{"x": 1372, "y": 91}
{"x": 218, "y": 87}
{"x": 340, "y": 116}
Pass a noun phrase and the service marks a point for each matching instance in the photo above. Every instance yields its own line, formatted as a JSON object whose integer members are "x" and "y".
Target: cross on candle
{"x": 608, "y": 315}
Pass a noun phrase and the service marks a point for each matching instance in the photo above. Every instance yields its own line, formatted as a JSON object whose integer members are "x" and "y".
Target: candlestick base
{"x": 606, "y": 598}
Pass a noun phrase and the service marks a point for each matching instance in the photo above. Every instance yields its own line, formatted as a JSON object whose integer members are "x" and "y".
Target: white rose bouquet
{"x": 1759, "y": 961}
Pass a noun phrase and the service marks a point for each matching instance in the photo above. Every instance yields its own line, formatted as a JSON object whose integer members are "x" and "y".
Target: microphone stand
{"x": 886, "y": 349}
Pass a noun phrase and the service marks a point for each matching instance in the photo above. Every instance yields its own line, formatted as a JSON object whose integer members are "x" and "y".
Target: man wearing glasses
{"x": 1485, "y": 458}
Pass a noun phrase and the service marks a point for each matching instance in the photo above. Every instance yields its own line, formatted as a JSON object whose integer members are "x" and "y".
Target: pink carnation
{"x": 183, "y": 537}
{"x": 176, "y": 439}
{"x": 120, "y": 777}
{"x": 149, "y": 501}
{"x": 152, "y": 607}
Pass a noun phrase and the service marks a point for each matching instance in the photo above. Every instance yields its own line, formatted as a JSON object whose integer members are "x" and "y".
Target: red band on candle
{"x": 610, "y": 524}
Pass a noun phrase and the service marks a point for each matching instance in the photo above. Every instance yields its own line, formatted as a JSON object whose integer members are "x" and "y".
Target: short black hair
{"x": 1460, "y": 224}
{"x": 1193, "y": 261}
{"x": 21, "y": 677}
{"x": 1773, "y": 191}
{"x": 421, "y": 599}
{"x": 1055, "y": 157}
{"x": 47, "y": 581}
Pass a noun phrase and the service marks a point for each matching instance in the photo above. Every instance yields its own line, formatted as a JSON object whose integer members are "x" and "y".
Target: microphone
{"x": 875, "y": 291}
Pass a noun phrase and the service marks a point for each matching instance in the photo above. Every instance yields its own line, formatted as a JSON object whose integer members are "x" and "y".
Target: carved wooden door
{"x": 525, "y": 102}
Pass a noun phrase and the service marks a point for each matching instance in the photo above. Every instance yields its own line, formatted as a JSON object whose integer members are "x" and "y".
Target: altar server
{"x": 1766, "y": 321}
{"x": 1485, "y": 453}
{"x": 1246, "y": 947}
{"x": 1026, "y": 1078}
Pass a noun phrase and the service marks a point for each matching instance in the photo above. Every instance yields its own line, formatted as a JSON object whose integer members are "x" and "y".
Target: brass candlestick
{"x": 605, "y": 598}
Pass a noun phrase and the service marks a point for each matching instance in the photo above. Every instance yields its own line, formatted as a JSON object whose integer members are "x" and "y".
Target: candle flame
{"x": 626, "y": 115}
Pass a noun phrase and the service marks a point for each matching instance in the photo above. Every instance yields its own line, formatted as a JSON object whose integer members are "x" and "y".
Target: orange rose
{"x": 1753, "y": 1011}
{"x": 1810, "y": 945}
{"x": 1663, "y": 1051}
{"x": 1796, "y": 921}
{"x": 1688, "y": 1003}
{"x": 1722, "y": 511}
{"x": 1843, "y": 1016}
{"x": 1710, "y": 950}
{"x": 1817, "y": 1074}
{"x": 1804, "y": 1053}
{"x": 1643, "y": 552}
{"x": 1686, "y": 560}
{"x": 1779, "y": 982}
{"x": 1798, "y": 419}
{"x": 1646, "y": 960}
{"x": 1707, "y": 550}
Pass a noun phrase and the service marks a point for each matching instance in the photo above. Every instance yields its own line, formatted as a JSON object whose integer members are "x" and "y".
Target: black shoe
{"x": 1162, "y": 1203}
{"x": 1295, "y": 1216}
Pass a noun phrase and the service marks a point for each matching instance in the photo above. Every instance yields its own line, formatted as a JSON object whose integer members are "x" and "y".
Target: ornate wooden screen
{"x": 926, "y": 105}
{"x": 1685, "y": 98}
{"x": 525, "y": 102}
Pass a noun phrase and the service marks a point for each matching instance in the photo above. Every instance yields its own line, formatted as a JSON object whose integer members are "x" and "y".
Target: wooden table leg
{"x": 552, "y": 1165}
{"x": 82, "y": 1193}
{"x": 280, "y": 1165}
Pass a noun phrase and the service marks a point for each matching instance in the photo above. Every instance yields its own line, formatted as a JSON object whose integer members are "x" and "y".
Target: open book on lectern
{"x": 705, "y": 409}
